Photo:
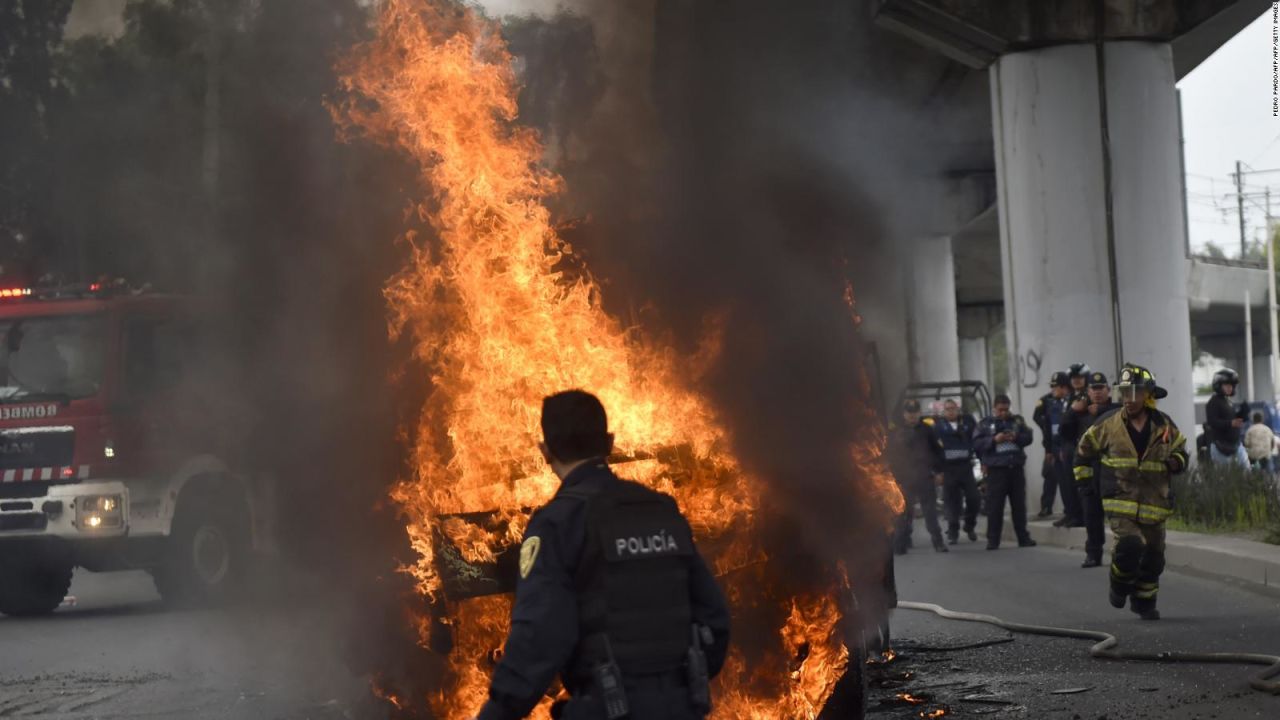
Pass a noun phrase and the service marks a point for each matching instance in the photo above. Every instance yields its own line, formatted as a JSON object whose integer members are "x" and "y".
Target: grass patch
{"x": 1219, "y": 499}
{"x": 1273, "y": 535}
{"x": 1177, "y": 523}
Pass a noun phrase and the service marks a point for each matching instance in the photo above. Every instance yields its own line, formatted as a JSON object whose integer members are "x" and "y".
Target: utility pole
{"x": 1240, "y": 205}
{"x": 1271, "y": 300}
{"x": 1248, "y": 344}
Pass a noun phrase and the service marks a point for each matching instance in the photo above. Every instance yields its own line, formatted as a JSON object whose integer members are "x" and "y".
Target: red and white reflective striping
{"x": 49, "y": 473}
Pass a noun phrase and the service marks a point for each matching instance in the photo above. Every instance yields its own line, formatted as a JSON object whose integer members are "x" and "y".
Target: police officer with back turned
{"x": 612, "y": 594}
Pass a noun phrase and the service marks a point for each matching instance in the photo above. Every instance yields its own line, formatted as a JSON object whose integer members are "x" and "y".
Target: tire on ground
{"x": 205, "y": 559}
{"x": 33, "y": 586}
{"x": 848, "y": 699}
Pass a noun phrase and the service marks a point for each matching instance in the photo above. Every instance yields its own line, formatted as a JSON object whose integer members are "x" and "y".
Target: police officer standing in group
{"x": 1137, "y": 450}
{"x": 1077, "y": 423}
{"x": 1078, "y": 376}
{"x": 999, "y": 442}
{"x": 1077, "y": 402}
{"x": 916, "y": 464}
{"x": 954, "y": 436}
{"x": 1048, "y": 416}
{"x": 1223, "y": 423}
{"x": 612, "y": 594}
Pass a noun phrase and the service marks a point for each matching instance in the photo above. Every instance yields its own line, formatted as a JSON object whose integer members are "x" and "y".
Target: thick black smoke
{"x": 193, "y": 151}
{"x": 730, "y": 161}
{"x": 762, "y": 156}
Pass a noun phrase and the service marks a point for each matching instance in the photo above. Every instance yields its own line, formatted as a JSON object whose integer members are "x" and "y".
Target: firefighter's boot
{"x": 1143, "y": 601}
{"x": 1124, "y": 568}
{"x": 1147, "y": 586}
{"x": 1146, "y": 609}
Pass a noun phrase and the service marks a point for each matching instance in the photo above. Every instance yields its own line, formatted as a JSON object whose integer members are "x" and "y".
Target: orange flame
{"x": 501, "y": 325}
{"x": 886, "y": 657}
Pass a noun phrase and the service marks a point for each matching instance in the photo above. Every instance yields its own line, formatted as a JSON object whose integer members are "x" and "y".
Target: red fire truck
{"x": 119, "y": 448}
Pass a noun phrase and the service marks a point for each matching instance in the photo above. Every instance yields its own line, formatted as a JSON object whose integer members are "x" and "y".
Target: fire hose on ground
{"x": 1105, "y": 647}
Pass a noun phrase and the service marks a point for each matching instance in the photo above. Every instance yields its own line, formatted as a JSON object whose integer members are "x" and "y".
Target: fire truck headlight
{"x": 99, "y": 512}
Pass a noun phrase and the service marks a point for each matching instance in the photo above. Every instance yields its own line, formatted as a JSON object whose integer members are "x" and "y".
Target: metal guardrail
{"x": 1230, "y": 262}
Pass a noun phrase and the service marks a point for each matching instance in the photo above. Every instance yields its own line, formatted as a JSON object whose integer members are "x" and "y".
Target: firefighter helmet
{"x": 1136, "y": 376}
{"x": 1225, "y": 376}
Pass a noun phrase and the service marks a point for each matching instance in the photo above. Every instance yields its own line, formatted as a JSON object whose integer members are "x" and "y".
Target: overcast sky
{"x": 1227, "y": 116}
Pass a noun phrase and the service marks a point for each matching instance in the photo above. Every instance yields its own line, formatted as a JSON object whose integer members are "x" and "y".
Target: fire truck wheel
{"x": 33, "y": 588}
{"x": 205, "y": 561}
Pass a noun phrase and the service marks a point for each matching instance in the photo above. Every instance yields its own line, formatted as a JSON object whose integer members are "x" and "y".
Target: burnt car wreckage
{"x": 865, "y": 617}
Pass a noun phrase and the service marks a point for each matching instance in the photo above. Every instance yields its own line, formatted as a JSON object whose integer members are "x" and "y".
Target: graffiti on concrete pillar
{"x": 1029, "y": 363}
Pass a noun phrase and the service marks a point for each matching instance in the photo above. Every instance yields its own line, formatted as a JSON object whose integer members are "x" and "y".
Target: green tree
{"x": 1213, "y": 250}
{"x": 30, "y": 32}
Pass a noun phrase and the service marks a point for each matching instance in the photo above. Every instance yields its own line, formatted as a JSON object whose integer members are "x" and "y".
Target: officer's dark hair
{"x": 575, "y": 427}
{"x": 1001, "y": 400}
{"x": 1257, "y": 417}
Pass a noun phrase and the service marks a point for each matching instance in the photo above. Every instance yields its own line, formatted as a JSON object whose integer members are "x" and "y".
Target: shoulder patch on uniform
{"x": 528, "y": 554}
{"x": 1040, "y": 403}
{"x": 928, "y": 421}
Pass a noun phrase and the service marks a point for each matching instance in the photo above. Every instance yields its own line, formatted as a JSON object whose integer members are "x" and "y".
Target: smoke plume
{"x": 739, "y": 164}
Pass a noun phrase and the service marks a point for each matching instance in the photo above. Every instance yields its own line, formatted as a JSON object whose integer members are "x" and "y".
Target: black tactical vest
{"x": 632, "y": 580}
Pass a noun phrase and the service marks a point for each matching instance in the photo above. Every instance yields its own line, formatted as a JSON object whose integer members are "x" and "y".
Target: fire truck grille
{"x": 23, "y": 521}
{"x": 36, "y": 447}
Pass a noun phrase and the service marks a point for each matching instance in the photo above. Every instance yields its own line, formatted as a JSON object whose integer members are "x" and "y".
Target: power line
{"x": 1211, "y": 197}
{"x": 1268, "y": 147}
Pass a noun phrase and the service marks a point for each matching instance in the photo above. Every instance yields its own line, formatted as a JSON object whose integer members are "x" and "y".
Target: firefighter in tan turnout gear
{"x": 1137, "y": 449}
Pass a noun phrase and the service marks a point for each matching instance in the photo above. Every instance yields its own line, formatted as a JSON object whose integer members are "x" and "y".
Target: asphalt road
{"x": 119, "y": 654}
{"x": 1018, "y": 677}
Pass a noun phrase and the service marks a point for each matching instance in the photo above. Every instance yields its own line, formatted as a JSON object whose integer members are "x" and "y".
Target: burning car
{"x": 859, "y": 630}
{"x": 497, "y": 320}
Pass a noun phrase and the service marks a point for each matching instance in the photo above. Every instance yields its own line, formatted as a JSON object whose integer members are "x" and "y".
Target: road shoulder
{"x": 1220, "y": 556}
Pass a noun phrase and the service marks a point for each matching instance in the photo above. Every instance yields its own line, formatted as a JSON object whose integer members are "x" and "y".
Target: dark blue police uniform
{"x": 552, "y": 619}
{"x": 1048, "y": 416}
{"x": 1003, "y": 462}
{"x": 1074, "y": 426}
{"x": 959, "y": 489}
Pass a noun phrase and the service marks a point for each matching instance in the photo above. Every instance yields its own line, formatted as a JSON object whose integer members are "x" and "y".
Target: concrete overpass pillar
{"x": 931, "y": 301}
{"x": 1086, "y": 140}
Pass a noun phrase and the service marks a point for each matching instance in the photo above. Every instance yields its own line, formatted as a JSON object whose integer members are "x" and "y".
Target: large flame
{"x": 491, "y": 311}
